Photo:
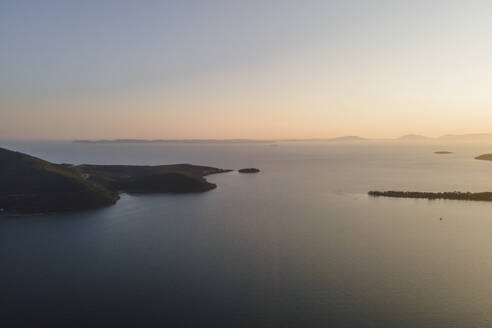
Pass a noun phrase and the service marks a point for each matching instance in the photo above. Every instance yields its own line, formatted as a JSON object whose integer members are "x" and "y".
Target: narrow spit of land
{"x": 485, "y": 157}
{"x": 454, "y": 195}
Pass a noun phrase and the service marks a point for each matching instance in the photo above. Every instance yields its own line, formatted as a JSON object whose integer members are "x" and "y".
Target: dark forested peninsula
{"x": 32, "y": 185}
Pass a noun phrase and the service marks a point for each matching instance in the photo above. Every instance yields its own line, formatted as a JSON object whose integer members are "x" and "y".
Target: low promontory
{"x": 32, "y": 185}
{"x": 249, "y": 170}
{"x": 485, "y": 157}
{"x": 454, "y": 195}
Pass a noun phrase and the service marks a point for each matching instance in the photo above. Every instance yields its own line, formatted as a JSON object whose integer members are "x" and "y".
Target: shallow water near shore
{"x": 299, "y": 244}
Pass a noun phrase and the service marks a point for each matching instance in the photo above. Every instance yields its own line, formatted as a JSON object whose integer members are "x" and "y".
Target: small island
{"x": 32, "y": 185}
{"x": 443, "y": 152}
{"x": 249, "y": 170}
{"x": 485, "y": 157}
{"x": 454, "y": 195}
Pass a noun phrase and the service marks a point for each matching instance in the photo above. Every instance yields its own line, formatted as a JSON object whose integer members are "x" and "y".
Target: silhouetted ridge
{"x": 413, "y": 137}
{"x": 32, "y": 185}
{"x": 29, "y": 184}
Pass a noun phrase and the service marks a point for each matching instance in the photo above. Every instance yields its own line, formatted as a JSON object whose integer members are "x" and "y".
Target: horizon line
{"x": 409, "y": 137}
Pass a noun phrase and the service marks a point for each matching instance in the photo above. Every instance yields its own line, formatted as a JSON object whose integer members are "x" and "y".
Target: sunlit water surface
{"x": 299, "y": 245}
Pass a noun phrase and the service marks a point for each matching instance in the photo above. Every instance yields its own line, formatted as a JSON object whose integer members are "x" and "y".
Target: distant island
{"x": 476, "y": 137}
{"x": 249, "y": 170}
{"x": 413, "y": 137}
{"x": 443, "y": 152}
{"x": 485, "y": 157}
{"x": 347, "y": 139}
{"x": 32, "y": 185}
{"x": 472, "y": 137}
{"x": 146, "y": 141}
{"x": 455, "y": 195}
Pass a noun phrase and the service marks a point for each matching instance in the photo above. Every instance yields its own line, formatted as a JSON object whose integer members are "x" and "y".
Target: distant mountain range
{"x": 467, "y": 137}
{"x": 170, "y": 140}
{"x": 413, "y": 137}
{"x": 348, "y": 139}
{"x": 407, "y": 138}
{"x": 450, "y": 137}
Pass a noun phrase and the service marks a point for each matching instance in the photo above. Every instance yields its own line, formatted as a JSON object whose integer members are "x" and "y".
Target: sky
{"x": 244, "y": 69}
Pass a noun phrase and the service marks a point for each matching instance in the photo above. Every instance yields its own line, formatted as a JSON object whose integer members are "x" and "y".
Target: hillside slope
{"x": 151, "y": 179}
{"x": 29, "y": 184}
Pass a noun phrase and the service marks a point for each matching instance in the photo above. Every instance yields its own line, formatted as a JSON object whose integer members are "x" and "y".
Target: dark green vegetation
{"x": 249, "y": 170}
{"x": 31, "y": 185}
{"x": 150, "y": 179}
{"x": 485, "y": 157}
{"x": 443, "y": 152}
{"x": 455, "y": 195}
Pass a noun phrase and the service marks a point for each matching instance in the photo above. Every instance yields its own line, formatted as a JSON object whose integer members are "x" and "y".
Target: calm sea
{"x": 298, "y": 245}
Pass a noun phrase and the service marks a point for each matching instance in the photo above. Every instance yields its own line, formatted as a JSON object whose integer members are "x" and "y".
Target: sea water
{"x": 300, "y": 244}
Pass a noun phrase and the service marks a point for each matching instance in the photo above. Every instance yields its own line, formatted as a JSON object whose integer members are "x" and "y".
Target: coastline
{"x": 454, "y": 195}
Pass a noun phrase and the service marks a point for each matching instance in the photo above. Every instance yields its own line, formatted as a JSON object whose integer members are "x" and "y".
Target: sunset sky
{"x": 244, "y": 69}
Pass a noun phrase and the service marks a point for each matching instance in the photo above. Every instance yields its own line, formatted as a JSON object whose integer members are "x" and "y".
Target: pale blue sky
{"x": 227, "y": 69}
